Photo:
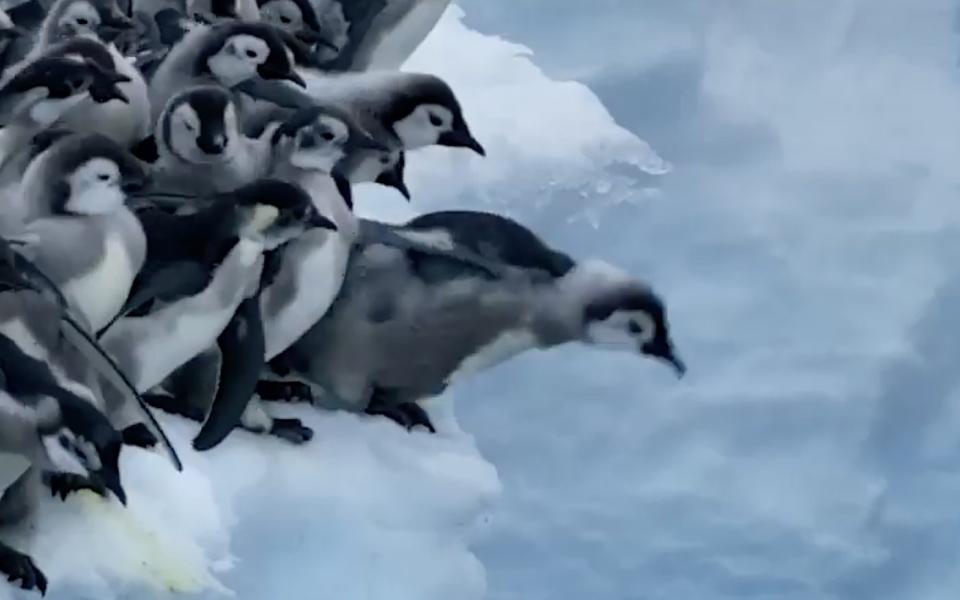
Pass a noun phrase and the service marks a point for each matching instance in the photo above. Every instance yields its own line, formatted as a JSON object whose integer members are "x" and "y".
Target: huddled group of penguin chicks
{"x": 178, "y": 233}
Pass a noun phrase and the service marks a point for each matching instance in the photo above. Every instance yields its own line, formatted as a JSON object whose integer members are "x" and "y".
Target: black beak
{"x": 461, "y": 138}
{"x": 312, "y": 36}
{"x": 134, "y": 185}
{"x": 394, "y": 179}
{"x": 268, "y": 72}
{"x": 111, "y": 480}
{"x": 318, "y": 220}
{"x": 663, "y": 350}
{"x": 116, "y": 21}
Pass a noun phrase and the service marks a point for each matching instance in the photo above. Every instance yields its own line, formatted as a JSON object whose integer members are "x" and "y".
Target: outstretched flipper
{"x": 276, "y": 92}
{"x": 428, "y": 243}
{"x": 242, "y": 345}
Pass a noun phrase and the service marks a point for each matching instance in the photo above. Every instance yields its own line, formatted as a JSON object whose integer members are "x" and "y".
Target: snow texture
{"x": 366, "y": 511}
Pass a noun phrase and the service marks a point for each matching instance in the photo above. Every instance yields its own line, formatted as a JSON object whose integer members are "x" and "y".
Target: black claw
{"x": 416, "y": 416}
{"x": 292, "y": 430}
{"x": 16, "y": 566}
{"x": 407, "y": 415}
{"x": 391, "y": 412}
{"x": 65, "y": 484}
{"x": 140, "y": 436}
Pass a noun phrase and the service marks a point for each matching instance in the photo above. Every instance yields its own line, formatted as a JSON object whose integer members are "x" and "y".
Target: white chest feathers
{"x": 100, "y": 292}
{"x": 503, "y": 347}
{"x": 318, "y": 274}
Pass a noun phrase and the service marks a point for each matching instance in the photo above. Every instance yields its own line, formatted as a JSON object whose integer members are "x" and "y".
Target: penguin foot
{"x": 64, "y": 484}
{"x": 407, "y": 415}
{"x": 292, "y": 430}
{"x": 284, "y": 391}
{"x": 140, "y": 436}
{"x": 17, "y": 566}
{"x": 170, "y": 404}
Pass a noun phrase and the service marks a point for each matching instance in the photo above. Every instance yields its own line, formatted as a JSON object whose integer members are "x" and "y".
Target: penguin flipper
{"x": 276, "y": 92}
{"x": 167, "y": 283}
{"x": 243, "y": 347}
{"x": 107, "y": 368}
{"x": 375, "y": 232}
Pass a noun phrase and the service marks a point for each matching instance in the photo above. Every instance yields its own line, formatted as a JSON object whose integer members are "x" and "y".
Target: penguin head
{"x": 94, "y": 18}
{"x": 426, "y": 112}
{"x": 336, "y": 30}
{"x": 392, "y": 167}
{"x": 104, "y": 79}
{"x": 238, "y": 51}
{"x": 623, "y": 314}
{"x": 199, "y": 125}
{"x": 82, "y": 442}
{"x": 296, "y": 17}
{"x": 209, "y": 12}
{"x": 318, "y": 138}
{"x": 95, "y": 175}
{"x": 275, "y": 212}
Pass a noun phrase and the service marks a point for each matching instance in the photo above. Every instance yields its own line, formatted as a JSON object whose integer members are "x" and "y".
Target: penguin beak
{"x": 115, "y": 19}
{"x": 318, "y": 220}
{"x": 312, "y": 36}
{"x": 269, "y": 72}
{"x": 110, "y": 479}
{"x": 662, "y": 348}
{"x": 394, "y": 179}
{"x": 461, "y": 138}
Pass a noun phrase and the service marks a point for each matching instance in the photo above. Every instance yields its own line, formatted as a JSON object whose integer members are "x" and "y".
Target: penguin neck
{"x": 559, "y": 305}
{"x": 326, "y": 198}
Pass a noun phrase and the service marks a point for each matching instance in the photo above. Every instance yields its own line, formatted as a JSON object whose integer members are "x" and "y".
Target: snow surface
{"x": 366, "y": 511}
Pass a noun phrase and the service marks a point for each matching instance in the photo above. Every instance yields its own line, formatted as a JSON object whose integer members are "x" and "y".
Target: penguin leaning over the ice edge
{"x": 462, "y": 319}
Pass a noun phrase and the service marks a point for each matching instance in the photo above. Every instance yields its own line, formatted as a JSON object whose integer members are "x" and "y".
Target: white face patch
{"x": 336, "y": 28}
{"x": 423, "y": 126}
{"x": 319, "y": 148}
{"x": 80, "y": 18}
{"x": 64, "y": 453}
{"x": 184, "y": 129}
{"x": 264, "y": 215}
{"x": 284, "y": 14}
{"x": 238, "y": 59}
{"x": 95, "y": 188}
{"x": 624, "y": 330}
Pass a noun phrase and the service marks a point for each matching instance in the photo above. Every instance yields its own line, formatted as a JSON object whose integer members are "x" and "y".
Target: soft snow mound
{"x": 366, "y": 511}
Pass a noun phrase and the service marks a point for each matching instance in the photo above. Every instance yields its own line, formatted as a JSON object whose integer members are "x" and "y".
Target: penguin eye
{"x": 251, "y": 54}
{"x": 103, "y": 176}
{"x": 635, "y": 328}
{"x": 328, "y": 136}
{"x": 435, "y": 120}
{"x": 63, "y": 440}
{"x": 285, "y": 20}
{"x": 83, "y": 21}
